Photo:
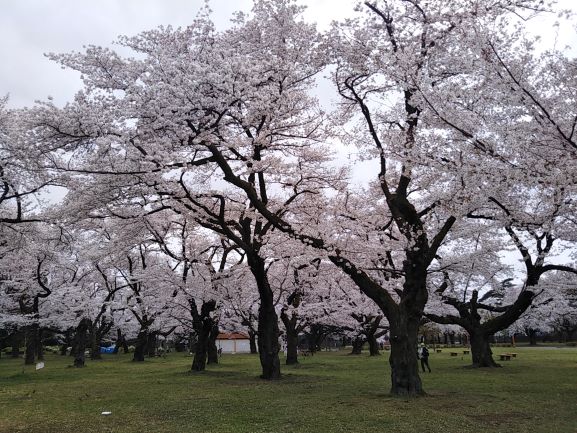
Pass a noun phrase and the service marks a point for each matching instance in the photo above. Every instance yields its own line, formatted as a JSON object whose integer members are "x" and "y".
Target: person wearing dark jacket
{"x": 424, "y": 356}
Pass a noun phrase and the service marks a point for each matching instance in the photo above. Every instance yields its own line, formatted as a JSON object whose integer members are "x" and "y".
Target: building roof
{"x": 232, "y": 336}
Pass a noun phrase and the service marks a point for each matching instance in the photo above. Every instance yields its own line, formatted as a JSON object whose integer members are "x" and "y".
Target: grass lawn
{"x": 330, "y": 392}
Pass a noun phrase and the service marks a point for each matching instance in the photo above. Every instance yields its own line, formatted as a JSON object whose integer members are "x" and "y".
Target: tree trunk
{"x": 268, "y": 331}
{"x": 373, "y": 346}
{"x": 357, "y": 346}
{"x": 140, "y": 347}
{"x": 80, "y": 342}
{"x": 292, "y": 338}
{"x": 204, "y": 329}
{"x": 201, "y": 349}
{"x": 151, "y": 344}
{"x": 532, "y": 334}
{"x": 212, "y": 349}
{"x": 252, "y": 342}
{"x": 405, "y": 379}
{"x": 94, "y": 344}
{"x": 15, "y": 341}
{"x": 31, "y": 344}
{"x": 268, "y": 346}
{"x": 481, "y": 350}
{"x": 119, "y": 341}
{"x": 40, "y": 345}
{"x": 292, "y": 348}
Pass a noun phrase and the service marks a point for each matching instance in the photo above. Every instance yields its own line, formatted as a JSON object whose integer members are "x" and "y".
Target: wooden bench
{"x": 466, "y": 352}
{"x": 513, "y": 355}
{"x": 454, "y": 354}
{"x": 439, "y": 350}
{"x": 505, "y": 356}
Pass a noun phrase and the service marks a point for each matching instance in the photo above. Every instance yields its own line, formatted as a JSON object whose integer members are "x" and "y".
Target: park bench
{"x": 466, "y": 352}
{"x": 505, "y": 356}
{"x": 454, "y": 354}
{"x": 439, "y": 350}
{"x": 513, "y": 355}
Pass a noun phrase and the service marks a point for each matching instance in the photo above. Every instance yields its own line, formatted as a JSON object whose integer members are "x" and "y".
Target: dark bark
{"x": 315, "y": 337}
{"x": 94, "y": 344}
{"x": 371, "y": 329}
{"x": 203, "y": 325}
{"x": 292, "y": 336}
{"x": 481, "y": 350}
{"x": 268, "y": 346}
{"x": 151, "y": 345}
{"x": 16, "y": 347}
{"x": 373, "y": 346}
{"x": 67, "y": 341}
{"x": 292, "y": 347}
{"x": 40, "y": 345}
{"x": 252, "y": 342}
{"x": 212, "y": 349}
{"x": 81, "y": 338}
{"x": 268, "y": 331}
{"x": 31, "y": 344}
{"x": 120, "y": 342}
{"x": 357, "y": 346}
{"x": 140, "y": 348}
{"x": 201, "y": 353}
{"x": 405, "y": 379}
{"x": 532, "y": 334}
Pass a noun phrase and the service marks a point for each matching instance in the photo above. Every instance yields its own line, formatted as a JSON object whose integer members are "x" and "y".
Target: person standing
{"x": 424, "y": 357}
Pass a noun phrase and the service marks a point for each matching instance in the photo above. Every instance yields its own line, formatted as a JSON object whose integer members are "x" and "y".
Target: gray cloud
{"x": 31, "y": 28}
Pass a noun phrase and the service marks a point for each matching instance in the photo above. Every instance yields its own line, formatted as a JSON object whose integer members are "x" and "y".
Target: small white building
{"x": 233, "y": 342}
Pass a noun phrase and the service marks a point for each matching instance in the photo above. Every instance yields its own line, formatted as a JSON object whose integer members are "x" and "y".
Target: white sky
{"x": 30, "y": 28}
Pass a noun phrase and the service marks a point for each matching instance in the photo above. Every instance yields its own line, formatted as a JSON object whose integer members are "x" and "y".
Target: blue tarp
{"x": 107, "y": 349}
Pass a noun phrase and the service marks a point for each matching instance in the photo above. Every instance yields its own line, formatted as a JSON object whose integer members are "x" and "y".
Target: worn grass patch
{"x": 330, "y": 392}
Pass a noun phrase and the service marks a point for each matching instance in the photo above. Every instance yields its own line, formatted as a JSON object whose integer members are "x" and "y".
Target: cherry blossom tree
{"x": 147, "y": 132}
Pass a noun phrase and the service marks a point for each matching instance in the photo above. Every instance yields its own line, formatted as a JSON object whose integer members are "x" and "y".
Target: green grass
{"x": 330, "y": 392}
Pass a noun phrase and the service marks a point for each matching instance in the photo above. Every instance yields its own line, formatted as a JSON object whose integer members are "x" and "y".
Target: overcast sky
{"x": 30, "y": 28}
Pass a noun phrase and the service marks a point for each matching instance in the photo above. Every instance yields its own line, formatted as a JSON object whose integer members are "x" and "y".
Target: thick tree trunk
{"x": 268, "y": 346}
{"x": 151, "y": 345}
{"x": 80, "y": 342}
{"x": 40, "y": 345}
{"x": 405, "y": 379}
{"x": 357, "y": 346}
{"x": 268, "y": 331}
{"x": 204, "y": 329}
{"x": 292, "y": 341}
{"x": 292, "y": 338}
{"x": 15, "y": 347}
{"x": 373, "y": 346}
{"x": 532, "y": 334}
{"x": 94, "y": 345}
{"x": 201, "y": 352}
{"x": 252, "y": 342}
{"x": 212, "y": 349}
{"x": 31, "y": 344}
{"x": 120, "y": 341}
{"x": 481, "y": 350}
{"x": 140, "y": 347}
